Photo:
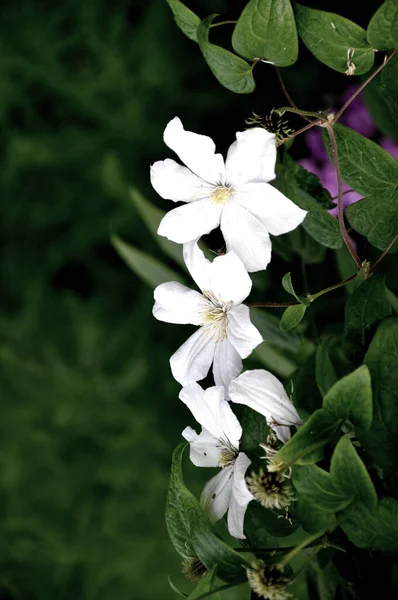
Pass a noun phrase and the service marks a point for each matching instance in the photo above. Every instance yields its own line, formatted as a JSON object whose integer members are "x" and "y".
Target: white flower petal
{"x": 213, "y": 412}
{"x": 282, "y": 433}
{"x": 197, "y": 265}
{"x": 192, "y": 360}
{"x": 228, "y": 278}
{"x": 227, "y": 363}
{"x": 271, "y": 207}
{"x": 216, "y": 494}
{"x": 190, "y": 221}
{"x": 175, "y": 303}
{"x": 252, "y": 157}
{"x": 264, "y": 393}
{"x": 246, "y": 235}
{"x": 196, "y": 151}
{"x": 175, "y": 182}
{"x": 204, "y": 448}
{"x": 242, "y": 334}
{"x": 240, "y": 497}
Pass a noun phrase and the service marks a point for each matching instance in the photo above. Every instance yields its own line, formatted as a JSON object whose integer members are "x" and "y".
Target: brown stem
{"x": 286, "y": 93}
{"x": 385, "y": 252}
{"x": 344, "y": 193}
{"x": 302, "y": 130}
{"x": 340, "y": 208}
{"x": 363, "y": 86}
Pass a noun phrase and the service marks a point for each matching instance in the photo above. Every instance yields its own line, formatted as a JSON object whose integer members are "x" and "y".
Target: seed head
{"x": 272, "y": 490}
{"x": 268, "y": 581}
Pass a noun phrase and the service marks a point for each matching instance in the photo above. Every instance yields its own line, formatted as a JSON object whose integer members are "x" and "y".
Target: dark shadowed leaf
{"x": 149, "y": 269}
{"x": 381, "y": 441}
{"x": 190, "y": 531}
{"x": 383, "y": 27}
{"x": 351, "y": 398}
{"x": 349, "y": 475}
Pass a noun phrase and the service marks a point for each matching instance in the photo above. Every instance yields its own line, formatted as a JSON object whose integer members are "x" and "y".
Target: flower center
{"x": 227, "y": 454}
{"x": 221, "y": 194}
{"x": 214, "y": 315}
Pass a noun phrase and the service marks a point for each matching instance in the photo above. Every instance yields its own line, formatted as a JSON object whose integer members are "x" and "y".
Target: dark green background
{"x": 89, "y": 409}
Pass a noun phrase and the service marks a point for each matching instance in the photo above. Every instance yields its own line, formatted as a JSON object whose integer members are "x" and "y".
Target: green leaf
{"x": 268, "y": 325}
{"x": 292, "y": 316}
{"x": 372, "y": 529}
{"x": 232, "y": 72}
{"x": 263, "y": 527}
{"x": 305, "y": 246}
{"x": 376, "y": 218}
{"x": 176, "y": 590}
{"x": 181, "y": 508}
{"x": 305, "y": 190}
{"x": 274, "y": 360}
{"x": 314, "y": 485}
{"x": 332, "y": 39}
{"x": 320, "y": 429}
{"x": 364, "y": 166}
{"x": 190, "y": 531}
{"x": 381, "y": 441}
{"x": 206, "y": 584}
{"x": 312, "y": 518}
{"x": 306, "y": 394}
{"x": 381, "y": 97}
{"x": 325, "y": 373}
{"x": 267, "y": 29}
{"x": 383, "y": 26}
{"x": 149, "y": 269}
{"x": 288, "y": 286}
{"x": 280, "y": 351}
{"x": 365, "y": 307}
{"x": 351, "y": 398}
{"x": 152, "y": 215}
{"x": 186, "y": 20}
{"x": 255, "y": 431}
{"x": 349, "y": 475}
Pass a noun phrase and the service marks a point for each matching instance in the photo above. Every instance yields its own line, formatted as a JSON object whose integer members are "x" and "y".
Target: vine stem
{"x": 312, "y": 297}
{"x": 298, "y": 111}
{"x": 340, "y": 208}
{"x": 271, "y": 304}
{"x": 223, "y": 23}
{"x": 286, "y": 93}
{"x": 363, "y": 86}
{"x": 302, "y": 130}
{"x": 297, "y": 549}
{"x": 385, "y": 252}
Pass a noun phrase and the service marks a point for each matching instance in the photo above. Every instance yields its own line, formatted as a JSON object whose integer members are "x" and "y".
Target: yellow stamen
{"x": 221, "y": 194}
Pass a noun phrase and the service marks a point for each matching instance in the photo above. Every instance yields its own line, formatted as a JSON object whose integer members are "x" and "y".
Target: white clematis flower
{"x": 218, "y": 446}
{"x": 264, "y": 393}
{"x": 235, "y": 195}
{"x": 226, "y": 334}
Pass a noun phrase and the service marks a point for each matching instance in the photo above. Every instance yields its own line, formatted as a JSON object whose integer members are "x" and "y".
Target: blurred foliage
{"x": 89, "y": 414}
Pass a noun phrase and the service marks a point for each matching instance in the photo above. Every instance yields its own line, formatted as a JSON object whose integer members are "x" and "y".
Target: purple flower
{"x": 389, "y": 146}
{"x": 357, "y": 115}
